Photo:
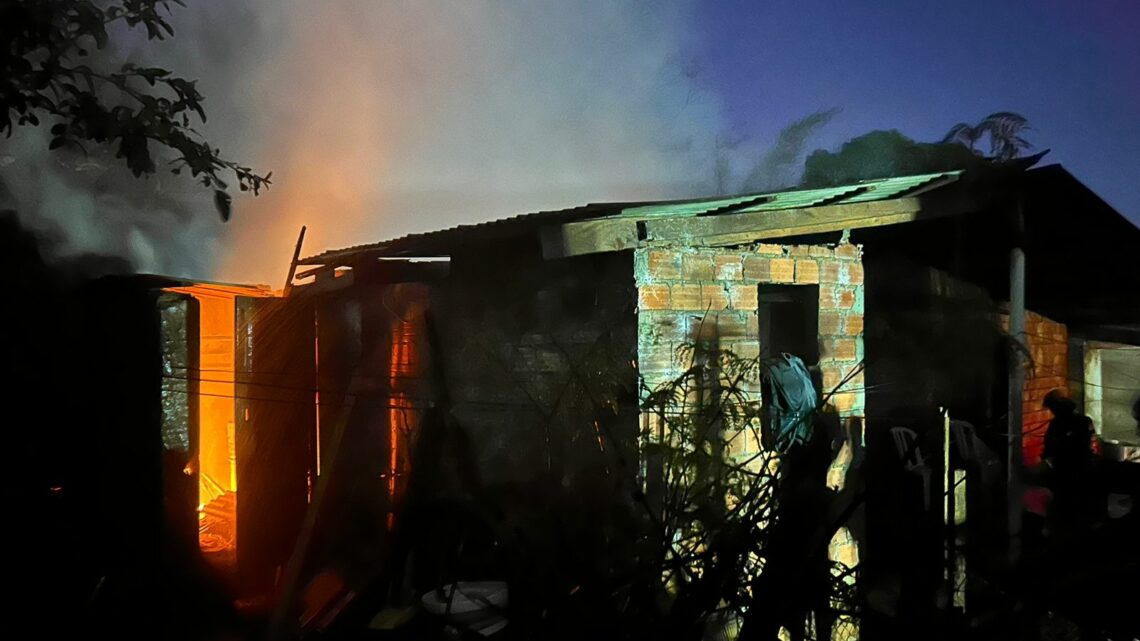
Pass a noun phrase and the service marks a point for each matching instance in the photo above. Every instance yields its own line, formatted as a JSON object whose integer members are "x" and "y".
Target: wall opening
{"x": 1111, "y": 388}
{"x": 789, "y": 321}
{"x": 213, "y": 457}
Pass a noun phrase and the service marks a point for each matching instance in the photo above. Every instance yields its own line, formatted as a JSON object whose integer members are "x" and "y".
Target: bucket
{"x": 475, "y": 605}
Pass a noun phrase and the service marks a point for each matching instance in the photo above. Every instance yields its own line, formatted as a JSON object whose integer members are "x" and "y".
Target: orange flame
{"x": 326, "y": 149}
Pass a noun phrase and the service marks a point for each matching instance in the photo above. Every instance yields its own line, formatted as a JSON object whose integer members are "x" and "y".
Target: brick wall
{"x": 685, "y": 290}
{"x": 1048, "y": 344}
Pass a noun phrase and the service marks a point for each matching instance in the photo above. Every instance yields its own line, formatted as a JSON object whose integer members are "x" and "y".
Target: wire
{"x": 425, "y": 403}
{"x": 866, "y": 390}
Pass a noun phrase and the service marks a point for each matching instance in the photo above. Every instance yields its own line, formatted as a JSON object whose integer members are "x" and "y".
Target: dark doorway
{"x": 789, "y": 321}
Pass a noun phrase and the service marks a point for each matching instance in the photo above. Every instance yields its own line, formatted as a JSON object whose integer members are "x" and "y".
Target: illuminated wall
{"x": 686, "y": 288}
{"x": 679, "y": 289}
{"x": 1047, "y": 342}
{"x": 1111, "y": 387}
{"x": 216, "y": 462}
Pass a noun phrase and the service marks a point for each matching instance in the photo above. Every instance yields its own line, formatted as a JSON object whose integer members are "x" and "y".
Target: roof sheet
{"x": 443, "y": 241}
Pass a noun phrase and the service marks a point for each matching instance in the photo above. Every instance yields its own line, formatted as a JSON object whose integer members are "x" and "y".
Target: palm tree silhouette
{"x": 1004, "y": 129}
{"x": 964, "y": 134}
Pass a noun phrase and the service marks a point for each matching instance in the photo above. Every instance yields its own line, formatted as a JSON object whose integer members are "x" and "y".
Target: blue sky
{"x": 382, "y": 118}
{"x": 920, "y": 67}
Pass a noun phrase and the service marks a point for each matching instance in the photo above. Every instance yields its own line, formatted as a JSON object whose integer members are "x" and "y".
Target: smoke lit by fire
{"x": 383, "y": 118}
{"x": 387, "y": 118}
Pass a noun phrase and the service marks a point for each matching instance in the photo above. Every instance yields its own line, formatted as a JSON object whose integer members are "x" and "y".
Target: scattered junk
{"x": 324, "y": 598}
{"x": 407, "y": 389}
{"x": 1119, "y": 505}
{"x": 1123, "y": 451}
{"x": 391, "y": 619}
{"x": 475, "y": 606}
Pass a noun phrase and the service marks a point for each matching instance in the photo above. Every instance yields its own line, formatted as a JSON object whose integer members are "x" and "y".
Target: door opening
{"x": 789, "y": 321}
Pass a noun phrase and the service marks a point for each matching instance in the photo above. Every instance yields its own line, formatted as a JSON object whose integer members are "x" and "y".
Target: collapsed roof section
{"x": 1081, "y": 267}
{"x": 614, "y": 226}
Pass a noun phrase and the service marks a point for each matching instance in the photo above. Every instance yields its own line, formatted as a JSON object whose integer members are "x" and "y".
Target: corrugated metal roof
{"x": 439, "y": 243}
{"x": 860, "y": 192}
{"x": 442, "y": 242}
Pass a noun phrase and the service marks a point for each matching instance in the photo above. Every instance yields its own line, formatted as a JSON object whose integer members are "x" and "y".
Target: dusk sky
{"x": 1072, "y": 68}
{"x": 383, "y": 118}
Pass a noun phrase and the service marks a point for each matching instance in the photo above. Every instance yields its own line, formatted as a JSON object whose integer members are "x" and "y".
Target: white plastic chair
{"x": 971, "y": 449}
{"x": 913, "y": 461}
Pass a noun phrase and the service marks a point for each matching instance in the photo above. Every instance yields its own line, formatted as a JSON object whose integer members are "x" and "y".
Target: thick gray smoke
{"x": 782, "y": 166}
{"x": 87, "y": 202}
{"x": 380, "y": 118}
{"x": 90, "y": 204}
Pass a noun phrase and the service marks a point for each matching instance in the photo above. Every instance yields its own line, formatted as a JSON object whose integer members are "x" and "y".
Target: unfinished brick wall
{"x": 688, "y": 290}
{"x": 715, "y": 291}
{"x": 1048, "y": 345}
{"x": 1047, "y": 342}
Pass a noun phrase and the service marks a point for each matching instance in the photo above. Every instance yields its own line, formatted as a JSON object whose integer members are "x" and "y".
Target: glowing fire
{"x": 400, "y": 369}
{"x": 403, "y": 370}
{"x": 217, "y": 460}
{"x": 215, "y": 452}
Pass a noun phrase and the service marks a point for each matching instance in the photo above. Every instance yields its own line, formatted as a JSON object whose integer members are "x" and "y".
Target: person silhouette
{"x": 1068, "y": 457}
{"x": 1068, "y": 439}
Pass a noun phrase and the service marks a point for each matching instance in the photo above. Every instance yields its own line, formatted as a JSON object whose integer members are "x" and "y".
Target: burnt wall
{"x": 537, "y": 359}
{"x": 932, "y": 341}
{"x": 372, "y": 390}
{"x": 521, "y": 368}
{"x": 492, "y": 423}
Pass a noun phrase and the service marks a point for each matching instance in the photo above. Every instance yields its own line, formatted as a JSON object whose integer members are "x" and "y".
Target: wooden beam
{"x": 756, "y": 225}
{"x": 742, "y": 238}
{"x": 615, "y": 234}
{"x": 316, "y": 271}
{"x": 282, "y": 621}
{"x": 324, "y": 283}
{"x": 589, "y": 237}
{"x": 293, "y": 263}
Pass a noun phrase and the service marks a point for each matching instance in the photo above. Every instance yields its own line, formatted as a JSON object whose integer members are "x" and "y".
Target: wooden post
{"x": 280, "y": 624}
{"x": 948, "y": 504}
{"x": 947, "y": 495}
{"x": 1016, "y": 389}
{"x": 950, "y": 507}
{"x": 293, "y": 263}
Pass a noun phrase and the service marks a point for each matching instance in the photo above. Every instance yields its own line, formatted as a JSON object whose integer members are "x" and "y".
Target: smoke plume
{"x": 385, "y": 118}
{"x": 782, "y": 165}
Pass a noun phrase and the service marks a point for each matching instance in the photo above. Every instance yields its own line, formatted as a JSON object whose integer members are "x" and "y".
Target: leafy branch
{"x": 47, "y": 71}
{"x": 730, "y": 516}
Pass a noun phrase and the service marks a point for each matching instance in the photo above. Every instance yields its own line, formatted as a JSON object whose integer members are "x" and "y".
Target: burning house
{"x": 191, "y": 345}
{"x": 522, "y": 346}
